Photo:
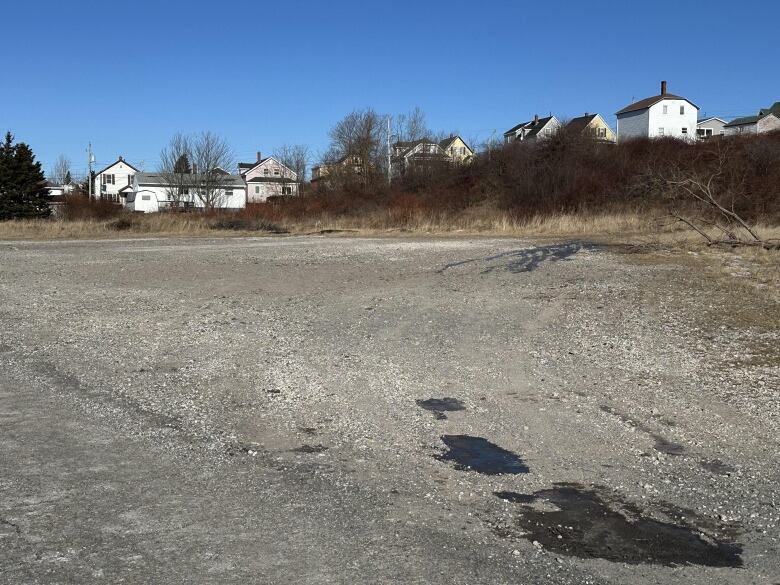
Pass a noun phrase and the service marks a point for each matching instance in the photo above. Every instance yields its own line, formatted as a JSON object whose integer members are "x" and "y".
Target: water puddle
{"x": 438, "y": 406}
{"x": 477, "y": 454}
{"x": 575, "y": 521}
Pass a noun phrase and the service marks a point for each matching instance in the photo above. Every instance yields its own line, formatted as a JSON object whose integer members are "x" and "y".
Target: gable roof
{"x": 651, "y": 101}
{"x": 711, "y": 118}
{"x": 447, "y": 142}
{"x": 773, "y": 109}
{"x": 744, "y": 120}
{"x": 244, "y": 168}
{"x": 581, "y": 123}
{"x": 117, "y": 161}
{"x": 534, "y": 125}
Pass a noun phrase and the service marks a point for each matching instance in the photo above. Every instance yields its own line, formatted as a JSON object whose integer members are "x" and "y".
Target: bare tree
{"x": 411, "y": 126}
{"x": 704, "y": 201}
{"x": 361, "y": 133}
{"x": 295, "y": 157}
{"x": 60, "y": 172}
{"x": 211, "y": 157}
{"x": 175, "y": 168}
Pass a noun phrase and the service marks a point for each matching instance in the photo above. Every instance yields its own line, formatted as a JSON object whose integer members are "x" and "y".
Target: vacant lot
{"x": 313, "y": 410}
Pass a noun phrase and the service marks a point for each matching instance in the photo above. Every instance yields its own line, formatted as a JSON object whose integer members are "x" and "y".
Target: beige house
{"x": 267, "y": 177}
{"x": 591, "y": 126}
{"x": 457, "y": 149}
{"x": 352, "y": 165}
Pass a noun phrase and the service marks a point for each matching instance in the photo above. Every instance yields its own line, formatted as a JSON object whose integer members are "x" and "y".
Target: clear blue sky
{"x": 127, "y": 75}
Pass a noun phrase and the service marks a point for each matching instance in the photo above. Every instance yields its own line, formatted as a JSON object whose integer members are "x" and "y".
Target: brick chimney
{"x": 663, "y": 88}
{"x": 259, "y": 156}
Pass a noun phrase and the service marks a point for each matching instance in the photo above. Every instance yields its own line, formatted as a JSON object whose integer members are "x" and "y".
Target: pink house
{"x": 267, "y": 177}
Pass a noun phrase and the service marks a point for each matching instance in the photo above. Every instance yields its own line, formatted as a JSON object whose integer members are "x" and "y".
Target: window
{"x": 700, "y": 132}
{"x": 266, "y": 172}
{"x": 276, "y": 171}
{"x": 685, "y": 131}
{"x": 107, "y": 179}
{"x": 666, "y": 109}
{"x": 146, "y": 197}
{"x": 682, "y": 110}
{"x": 257, "y": 188}
{"x": 601, "y": 132}
{"x": 228, "y": 192}
{"x": 660, "y": 132}
{"x": 286, "y": 190}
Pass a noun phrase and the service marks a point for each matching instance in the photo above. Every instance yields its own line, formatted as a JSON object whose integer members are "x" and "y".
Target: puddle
{"x": 477, "y": 454}
{"x": 438, "y": 406}
{"x": 310, "y": 449}
{"x": 574, "y": 521}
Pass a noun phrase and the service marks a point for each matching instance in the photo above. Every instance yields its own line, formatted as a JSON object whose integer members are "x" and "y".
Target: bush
{"x": 81, "y": 207}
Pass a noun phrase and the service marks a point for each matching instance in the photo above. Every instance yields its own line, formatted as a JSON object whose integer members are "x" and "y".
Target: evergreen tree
{"x": 68, "y": 178}
{"x": 23, "y": 192}
{"x": 182, "y": 165}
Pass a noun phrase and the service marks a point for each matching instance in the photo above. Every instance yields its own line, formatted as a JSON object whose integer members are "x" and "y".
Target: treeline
{"x": 570, "y": 174}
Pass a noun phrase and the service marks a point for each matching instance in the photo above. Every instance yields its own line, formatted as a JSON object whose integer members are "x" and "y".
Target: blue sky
{"x": 129, "y": 75}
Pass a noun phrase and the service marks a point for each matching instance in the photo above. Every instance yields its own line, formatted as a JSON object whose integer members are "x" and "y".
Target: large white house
{"x": 659, "y": 116}
{"x": 114, "y": 182}
{"x": 151, "y": 192}
{"x": 268, "y": 177}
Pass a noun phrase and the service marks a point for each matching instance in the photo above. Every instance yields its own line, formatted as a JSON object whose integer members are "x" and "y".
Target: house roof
{"x": 252, "y": 165}
{"x": 447, "y": 142}
{"x": 150, "y": 179}
{"x": 651, "y": 101}
{"x": 705, "y": 120}
{"x": 744, "y": 120}
{"x": 534, "y": 125}
{"x": 581, "y": 123}
{"x": 773, "y": 109}
{"x": 119, "y": 160}
{"x": 271, "y": 180}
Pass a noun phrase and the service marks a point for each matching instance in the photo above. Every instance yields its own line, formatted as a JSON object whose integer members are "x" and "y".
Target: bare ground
{"x": 320, "y": 410}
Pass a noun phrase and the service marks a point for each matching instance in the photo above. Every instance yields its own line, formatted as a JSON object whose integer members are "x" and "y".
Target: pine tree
{"x": 182, "y": 165}
{"x": 68, "y": 178}
{"x": 23, "y": 192}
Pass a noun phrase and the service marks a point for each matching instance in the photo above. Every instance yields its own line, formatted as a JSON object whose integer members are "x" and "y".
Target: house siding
{"x": 633, "y": 125}
{"x": 768, "y": 124}
{"x": 123, "y": 176}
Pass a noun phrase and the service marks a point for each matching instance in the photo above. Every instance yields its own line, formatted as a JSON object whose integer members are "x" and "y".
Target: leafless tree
{"x": 175, "y": 168}
{"x": 211, "y": 157}
{"x": 295, "y": 157}
{"x": 704, "y": 201}
{"x": 60, "y": 172}
{"x": 411, "y": 126}
{"x": 361, "y": 133}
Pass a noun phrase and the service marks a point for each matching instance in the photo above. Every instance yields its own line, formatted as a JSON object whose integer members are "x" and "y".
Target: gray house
{"x": 709, "y": 127}
{"x": 536, "y": 128}
{"x": 767, "y": 120}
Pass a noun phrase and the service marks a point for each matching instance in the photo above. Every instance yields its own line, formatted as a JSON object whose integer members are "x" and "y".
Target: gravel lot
{"x": 328, "y": 410}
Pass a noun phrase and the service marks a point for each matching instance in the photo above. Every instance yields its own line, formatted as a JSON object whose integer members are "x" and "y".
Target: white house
{"x": 536, "y": 128}
{"x": 662, "y": 115}
{"x": 150, "y": 192}
{"x": 767, "y": 120}
{"x": 267, "y": 177}
{"x": 709, "y": 127}
{"x": 113, "y": 182}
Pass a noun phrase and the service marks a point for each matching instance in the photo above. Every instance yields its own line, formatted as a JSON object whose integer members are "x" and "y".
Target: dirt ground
{"x": 347, "y": 410}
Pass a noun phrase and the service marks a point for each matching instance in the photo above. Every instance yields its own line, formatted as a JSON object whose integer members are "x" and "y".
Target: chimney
{"x": 536, "y": 118}
{"x": 121, "y": 159}
{"x": 587, "y": 114}
{"x": 663, "y": 88}
{"x": 259, "y": 156}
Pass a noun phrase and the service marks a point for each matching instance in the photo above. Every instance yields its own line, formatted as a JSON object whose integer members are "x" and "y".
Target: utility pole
{"x": 389, "y": 158}
{"x": 90, "y": 160}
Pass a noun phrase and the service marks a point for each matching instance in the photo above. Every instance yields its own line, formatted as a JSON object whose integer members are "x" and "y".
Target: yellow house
{"x": 457, "y": 149}
{"x": 591, "y": 126}
{"x": 351, "y": 164}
